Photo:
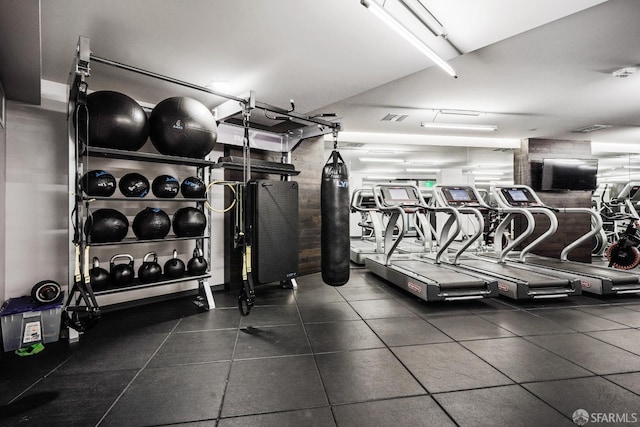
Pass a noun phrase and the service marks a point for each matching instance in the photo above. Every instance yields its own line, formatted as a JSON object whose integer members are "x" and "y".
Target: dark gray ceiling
{"x": 20, "y": 69}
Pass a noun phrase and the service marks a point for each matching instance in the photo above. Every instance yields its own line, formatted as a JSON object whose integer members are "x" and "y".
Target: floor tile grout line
{"x": 137, "y": 374}
{"x": 561, "y": 356}
{"x": 608, "y": 343}
{"x": 39, "y": 380}
{"x": 606, "y": 378}
{"x": 410, "y": 372}
{"x": 228, "y": 376}
{"x": 313, "y": 357}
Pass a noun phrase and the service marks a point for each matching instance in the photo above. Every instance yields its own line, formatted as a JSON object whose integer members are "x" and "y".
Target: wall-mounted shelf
{"x": 134, "y": 241}
{"x": 260, "y": 166}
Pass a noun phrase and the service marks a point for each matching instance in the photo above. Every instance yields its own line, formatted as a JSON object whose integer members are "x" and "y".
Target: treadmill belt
{"x": 445, "y": 277}
{"x": 534, "y": 280}
{"x": 618, "y": 277}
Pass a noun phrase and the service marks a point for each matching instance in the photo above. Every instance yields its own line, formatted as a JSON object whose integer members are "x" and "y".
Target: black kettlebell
{"x": 174, "y": 268}
{"x": 197, "y": 265}
{"x": 121, "y": 274}
{"x": 45, "y": 292}
{"x": 150, "y": 271}
{"x": 98, "y": 275}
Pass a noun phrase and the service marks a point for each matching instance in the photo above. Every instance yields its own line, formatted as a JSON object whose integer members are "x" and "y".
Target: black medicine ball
{"x": 116, "y": 121}
{"x": 134, "y": 185}
{"x": 106, "y": 225}
{"x": 98, "y": 183}
{"x": 182, "y": 126}
{"x": 151, "y": 223}
{"x": 193, "y": 187}
{"x": 165, "y": 186}
{"x": 189, "y": 222}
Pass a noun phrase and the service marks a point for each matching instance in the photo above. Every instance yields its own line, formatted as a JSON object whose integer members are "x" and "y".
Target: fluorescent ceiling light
{"x": 425, "y": 16}
{"x": 380, "y": 160}
{"x": 460, "y": 113}
{"x": 486, "y": 172}
{"x": 381, "y": 178}
{"x": 382, "y": 14}
{"x": 422, "y": 170}
{"x": 458, "y": 126}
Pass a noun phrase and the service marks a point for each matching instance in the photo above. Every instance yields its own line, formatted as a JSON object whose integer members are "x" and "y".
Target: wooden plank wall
{"x": 527, "y": 162}
{"x": 309, "y": 159}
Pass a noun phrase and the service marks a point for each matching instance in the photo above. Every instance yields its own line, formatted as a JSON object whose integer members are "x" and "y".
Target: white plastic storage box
{"x": 25, "y": 323}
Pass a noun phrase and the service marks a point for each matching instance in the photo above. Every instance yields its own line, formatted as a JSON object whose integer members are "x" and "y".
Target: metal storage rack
{"x": 234, "y": 128}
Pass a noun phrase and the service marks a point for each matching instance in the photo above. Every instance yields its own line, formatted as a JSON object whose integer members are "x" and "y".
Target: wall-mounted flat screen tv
{"x": 569, "y": 174}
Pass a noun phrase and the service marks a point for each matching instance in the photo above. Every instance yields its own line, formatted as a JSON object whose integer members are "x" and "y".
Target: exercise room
{"x": 319, "y": 213}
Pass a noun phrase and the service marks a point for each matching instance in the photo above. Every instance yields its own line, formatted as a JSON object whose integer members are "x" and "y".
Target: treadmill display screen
{"x": 518, "y": 195}
{"x": 398, "y": 193}
{"x": 460, "y": 195}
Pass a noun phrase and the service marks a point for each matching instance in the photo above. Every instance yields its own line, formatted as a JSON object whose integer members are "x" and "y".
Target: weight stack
{"x": 272, "y": 220}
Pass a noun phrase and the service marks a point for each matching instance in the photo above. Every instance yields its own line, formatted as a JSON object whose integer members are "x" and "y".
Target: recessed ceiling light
{"x": 461, "y": 112}
{"x": 422, "y": 170}
{"x": 380, "y": 160}
{"x": 459, "y": 126}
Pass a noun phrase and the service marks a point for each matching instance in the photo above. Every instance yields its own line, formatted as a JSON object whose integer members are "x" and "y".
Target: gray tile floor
{"x": 365, "y": 354}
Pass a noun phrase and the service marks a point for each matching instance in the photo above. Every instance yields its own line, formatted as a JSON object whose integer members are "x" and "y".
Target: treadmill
{"x": 428, "y": 279}
{"x": 595, "y": 279}
{"x": 372, "y": 223}
{"x": 372, "y": 227}
{"x": 514, "y": 280}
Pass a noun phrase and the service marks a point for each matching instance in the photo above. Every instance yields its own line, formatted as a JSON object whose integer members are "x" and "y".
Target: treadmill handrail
{"x": 399, "y": 210}
{"x": 553, "y": 227}
{"x": 596, "y": 226}
{"x": 354, "y": 200}
{"x": 543, "y": 208}
{"x": 510, "y": 210}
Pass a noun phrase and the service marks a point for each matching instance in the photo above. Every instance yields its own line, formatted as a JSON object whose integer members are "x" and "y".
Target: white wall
{"x": 37, "y": 216}
{"x": 3, "y": 204}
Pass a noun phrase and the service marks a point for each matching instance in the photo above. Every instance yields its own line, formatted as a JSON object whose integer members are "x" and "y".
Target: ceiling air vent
{"x": 394, "y": 117}
{"x": 591, "y": 128}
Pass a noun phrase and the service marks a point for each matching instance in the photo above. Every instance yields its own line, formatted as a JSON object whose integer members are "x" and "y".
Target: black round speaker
{"x": 106, "y": 225}
{"x": 189, "y": 222}
{"x": 182, "y": 126}
{"x": 165, "y": 187}
{"x": 98, "y": 183}
{"x": 193, "y": 187}
{"x": 116, "y": 121}
{"x": 151, "y": 223}
{"x": 134, "y": 185}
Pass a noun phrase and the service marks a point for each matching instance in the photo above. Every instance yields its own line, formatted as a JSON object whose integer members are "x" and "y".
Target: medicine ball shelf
{"x": 91, "y": 199}
{"x": 133, "y": 240}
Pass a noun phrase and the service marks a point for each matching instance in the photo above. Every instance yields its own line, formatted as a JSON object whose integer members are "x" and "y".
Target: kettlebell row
{"x": 122, "y": 270}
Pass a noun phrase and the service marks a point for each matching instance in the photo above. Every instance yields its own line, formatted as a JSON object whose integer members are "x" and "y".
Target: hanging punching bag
{"x": 334, "y": 207}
